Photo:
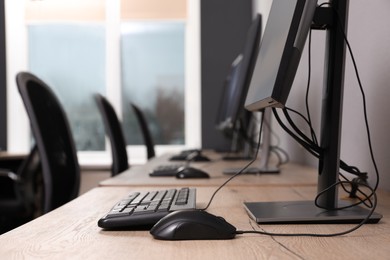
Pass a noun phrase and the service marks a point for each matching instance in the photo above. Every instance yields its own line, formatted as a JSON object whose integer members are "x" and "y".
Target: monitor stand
{"x": 263, "y": 157}
{"x": 306, "y": 212}
{"x": 238, "y": 150}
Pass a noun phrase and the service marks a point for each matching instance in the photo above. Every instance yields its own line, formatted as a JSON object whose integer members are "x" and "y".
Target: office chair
{"x": 20, "y": 192}
{"x": 144, "y": 130}
{"x": 53, "y": 137}
{"x": 114, "y": 132}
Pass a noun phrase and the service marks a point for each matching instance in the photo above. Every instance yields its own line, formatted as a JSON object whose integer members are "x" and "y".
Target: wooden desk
{"x": 11, "y": 161}
{"x": 71, "y": 232}
{"x": 4, "y": 156}
{"x": 291, "y": 174}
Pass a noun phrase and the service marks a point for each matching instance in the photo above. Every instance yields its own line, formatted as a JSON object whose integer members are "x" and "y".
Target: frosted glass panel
{"x": 70, "y": 58}
{"x": 153, "y": 78}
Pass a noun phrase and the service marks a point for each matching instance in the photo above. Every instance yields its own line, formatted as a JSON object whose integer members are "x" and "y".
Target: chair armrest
{"x": 7, "y": 173}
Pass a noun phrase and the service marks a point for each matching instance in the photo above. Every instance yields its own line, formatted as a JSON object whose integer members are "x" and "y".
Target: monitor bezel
{"x": 278, "y": 89}
{"x": 246, "y": 63}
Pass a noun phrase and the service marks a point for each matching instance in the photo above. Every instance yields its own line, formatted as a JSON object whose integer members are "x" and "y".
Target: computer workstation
{"x": 71, "y": 232}
{"x": 237, "y": 123}
{"x": 82, "y": 237}
{"x": 271, "y": 79}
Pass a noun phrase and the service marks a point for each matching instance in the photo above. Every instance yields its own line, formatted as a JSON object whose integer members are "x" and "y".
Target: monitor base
{"x": 236, "y": 158}
{"x": 252, "y": 170}
{"x": 305, "y": 212}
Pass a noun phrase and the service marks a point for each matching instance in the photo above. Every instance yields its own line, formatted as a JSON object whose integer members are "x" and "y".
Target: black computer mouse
{"x": 187, "y": 172}
{"x": 192, "y": 225}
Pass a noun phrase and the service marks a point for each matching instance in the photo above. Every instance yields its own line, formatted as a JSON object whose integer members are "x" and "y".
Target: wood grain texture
{"x": 291, "y": 174}
{"x": 71, "y": 232}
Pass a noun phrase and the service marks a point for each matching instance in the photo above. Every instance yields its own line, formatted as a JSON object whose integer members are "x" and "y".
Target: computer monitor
{"x": 231, "y": 109}
{"x": 224, "y": 120}
{"x": 232, "y": 118}
{"x": 277, "y": 61}
{"x": 236, "y": 130}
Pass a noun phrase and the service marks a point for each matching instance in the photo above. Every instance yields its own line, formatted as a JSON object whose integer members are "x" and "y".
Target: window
{"x": 129, "y": 50}
{"x": 152, "y": 66}
{"x": 70, "y": 58}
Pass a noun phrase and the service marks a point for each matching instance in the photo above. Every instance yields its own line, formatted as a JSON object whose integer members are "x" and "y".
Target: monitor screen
{"x": 224, "y": 118}
{"x": 280, "y": 50}
{"x": 237, "y": 82}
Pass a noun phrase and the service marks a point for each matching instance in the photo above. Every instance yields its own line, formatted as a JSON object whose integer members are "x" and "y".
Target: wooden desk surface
{"x": 291, "y": 174}
{"x": 71, "y": 232}
{"x": 4, "y": 155}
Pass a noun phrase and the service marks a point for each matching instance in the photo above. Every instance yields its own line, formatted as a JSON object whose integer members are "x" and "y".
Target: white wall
{"x": 369, "y": 37}
{"x": 16, "y": 36}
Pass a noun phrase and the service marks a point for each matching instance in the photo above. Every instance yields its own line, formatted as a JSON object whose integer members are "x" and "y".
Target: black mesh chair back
{"x": 114, "y": 131}
{"x": 51, "y": 130}
{"x": 145, "y": 131}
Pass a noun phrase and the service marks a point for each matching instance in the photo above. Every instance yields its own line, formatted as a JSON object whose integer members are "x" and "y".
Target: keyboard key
{"x": 140, "y": 209}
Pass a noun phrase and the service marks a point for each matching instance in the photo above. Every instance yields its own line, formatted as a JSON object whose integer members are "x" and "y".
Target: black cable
{"x": 364, "y": 104}
{"x": 239, "y": 172}
{"x": 364, "y": 221}
{"x": 298, "y": 131}
{"x": 308, "y": 122}
{"x": 313, "y": 136}
{"x": 355, "y": 189}
{"x": 317, "y": 235}
{"x": 352, "y": 169}
{"x": 311, "y": 149}
{"x": 342, "y": 30}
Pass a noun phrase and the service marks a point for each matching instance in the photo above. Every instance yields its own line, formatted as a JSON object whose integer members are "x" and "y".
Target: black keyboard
{"x": 141, "y": 210}
{"x": 166, "y": 170}
{"x": 183, "y": 155}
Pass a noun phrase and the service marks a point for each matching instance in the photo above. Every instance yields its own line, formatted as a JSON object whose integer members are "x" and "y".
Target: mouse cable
{"x": 242, "y": 131}
{"x": 241, "y": 170}
{"x": 362, "y": 176}
{"x": 273, "y": 133}
{"x": 364, "y": 105}
{"x": 361, "y": 183}
{"x": 361, "y": 180}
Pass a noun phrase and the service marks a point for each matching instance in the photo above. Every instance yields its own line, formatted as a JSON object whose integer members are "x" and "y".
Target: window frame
{"x": 18, "y": 130}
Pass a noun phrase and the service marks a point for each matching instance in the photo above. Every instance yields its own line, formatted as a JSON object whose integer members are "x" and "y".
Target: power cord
{"x": 240, "y": 171}
{"x": 311, "y": 145}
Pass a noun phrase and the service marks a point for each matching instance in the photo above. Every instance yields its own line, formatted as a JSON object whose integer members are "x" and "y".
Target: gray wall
{"x": 224, "y": 24}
